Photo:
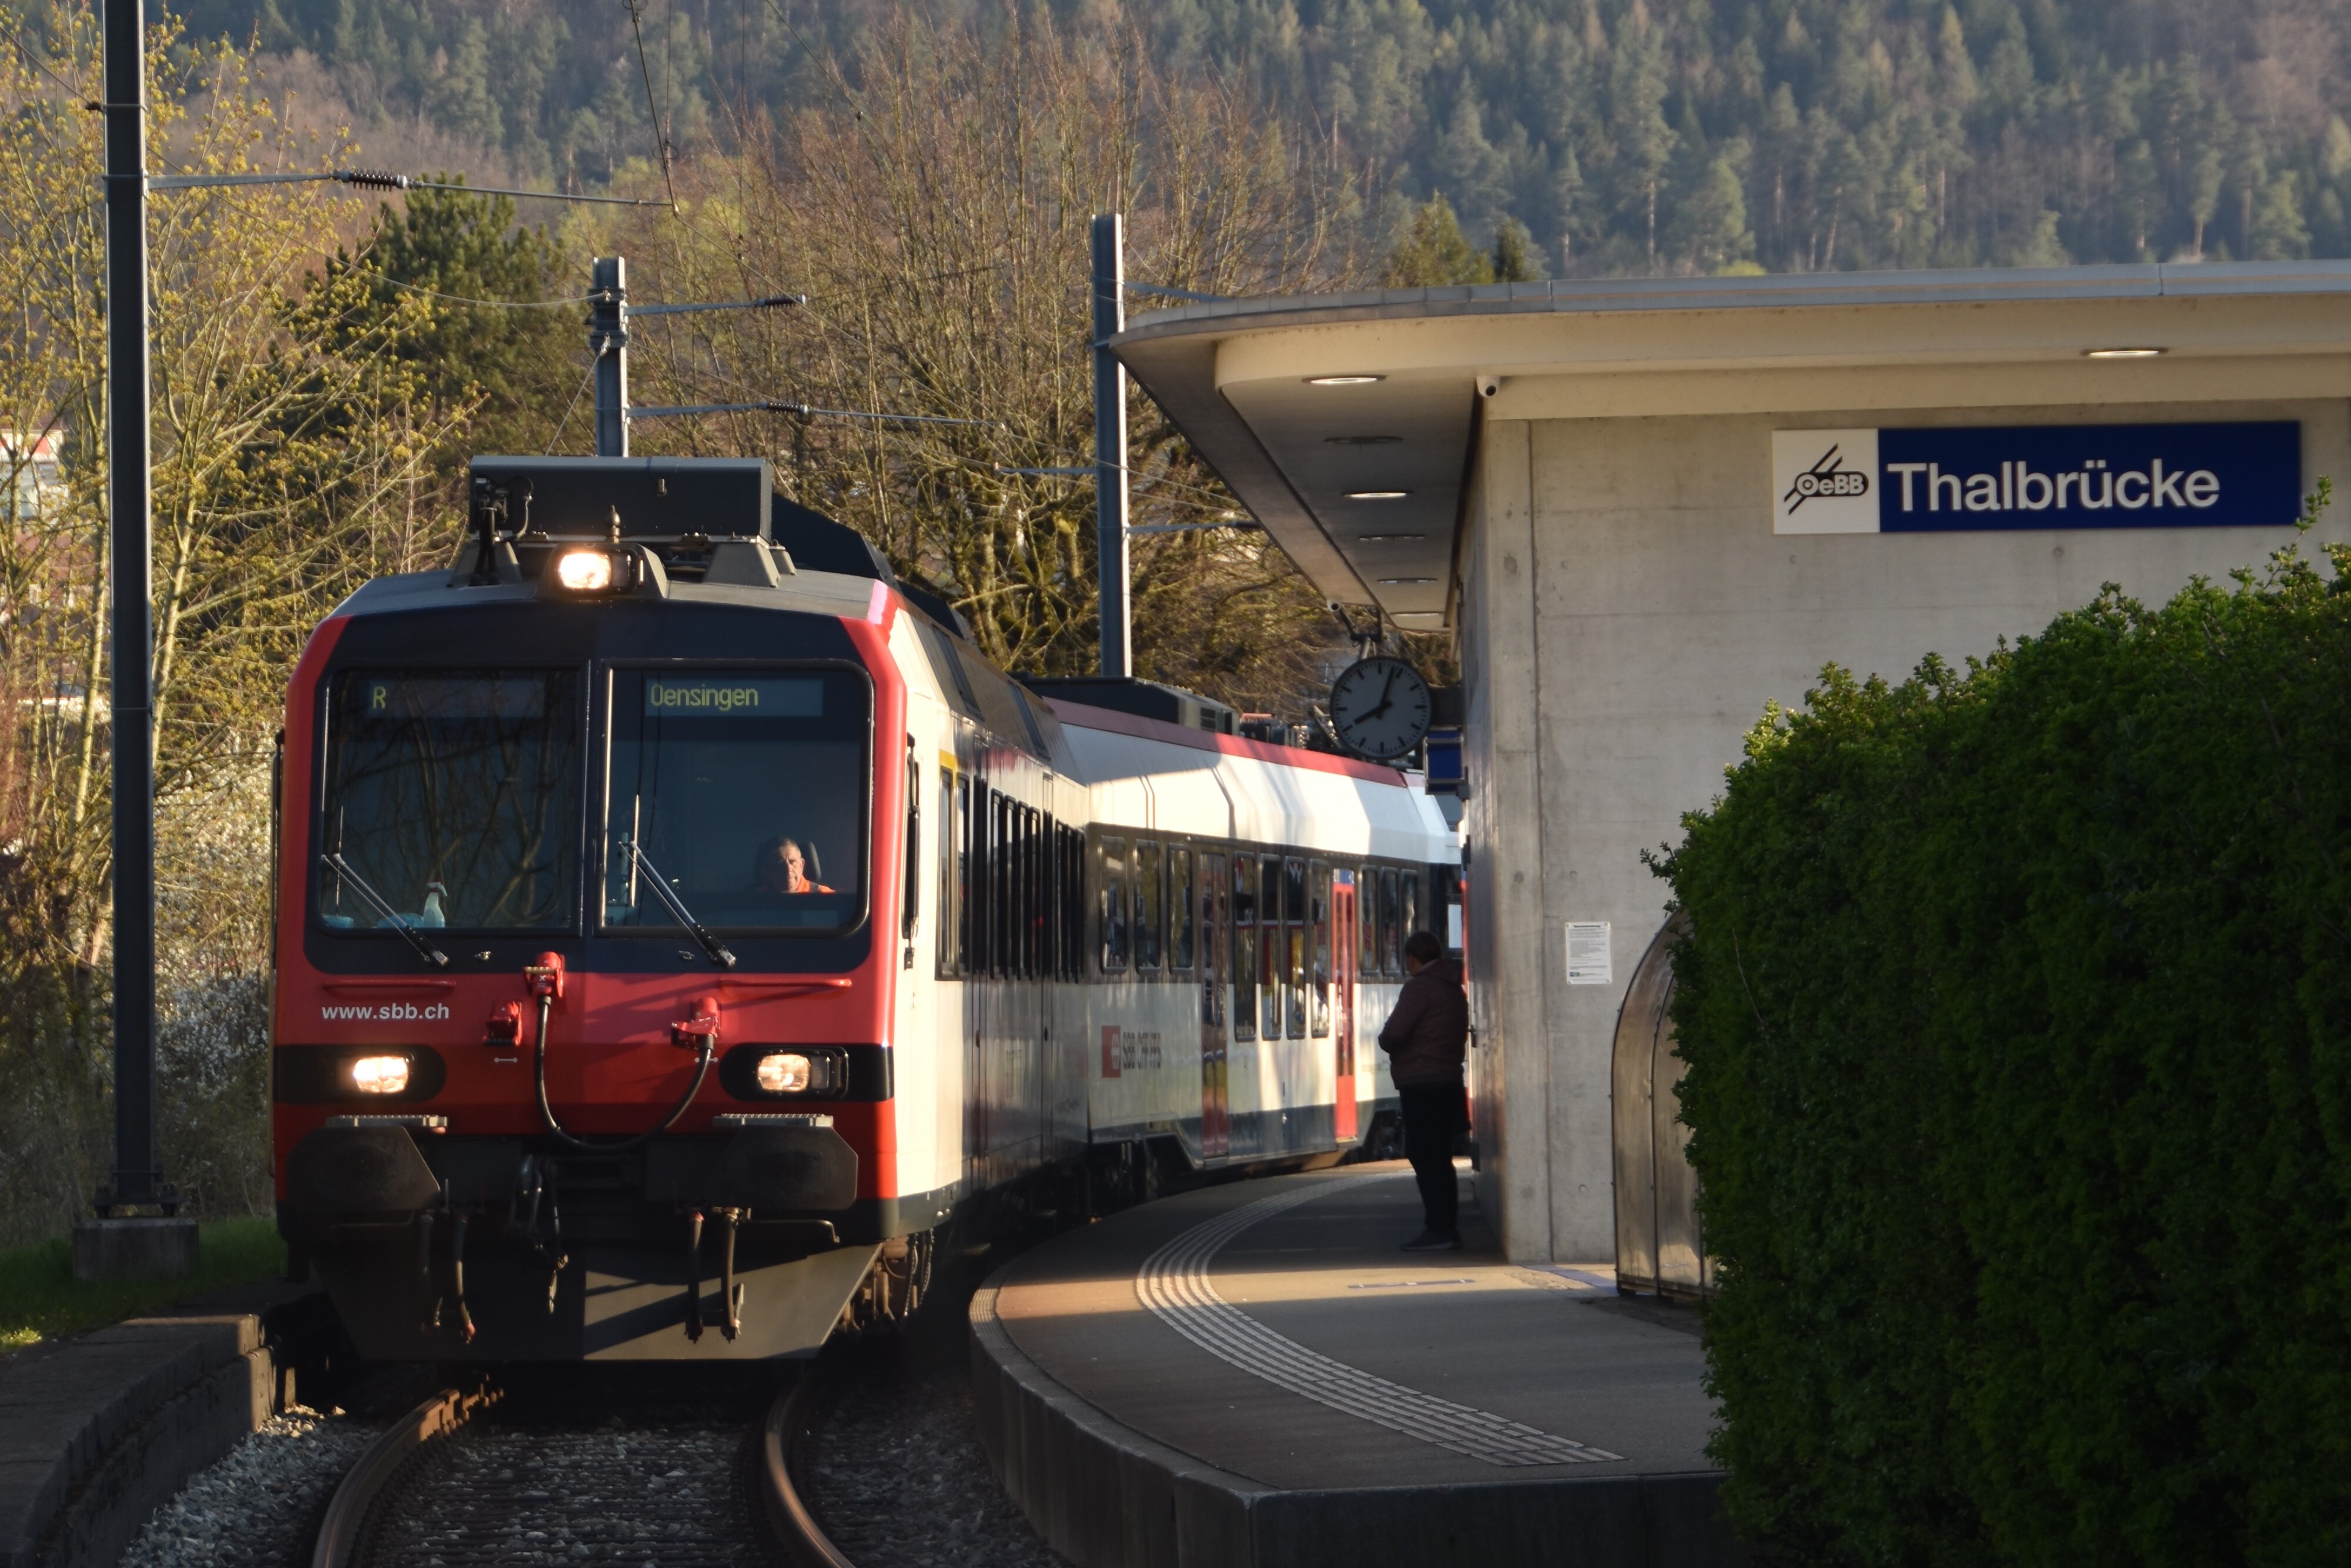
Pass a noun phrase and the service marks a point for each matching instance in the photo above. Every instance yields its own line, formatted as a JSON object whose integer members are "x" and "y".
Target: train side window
{"x": 1412, "y": 911}
{"x": 1244, "y": 947}
{"x": 1073, "y": 905}
{"x": 976, "y": 921}
{"x": 1270, "y": 971}
{"x": 950, "y": 890}
{"x": 1179, "y": 908}
{"x": 1294, "y": 940}
{"x": 1391, "y": 939}
{"x": 1150, "y": 906}
{"x": 1110, "y": 905}
{"x": 1367, "y": 921}
{"x": 1003, "y": 944}
{"x": 1033, "y": 925}
{"x": 911, "y": 916}
{"x": 1318, "y": 939}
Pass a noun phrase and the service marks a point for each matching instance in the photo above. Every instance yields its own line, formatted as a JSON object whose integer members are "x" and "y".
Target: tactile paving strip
{"x": 1173, "y": 1284}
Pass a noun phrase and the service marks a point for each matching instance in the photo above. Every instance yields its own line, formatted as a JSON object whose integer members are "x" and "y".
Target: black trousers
{"x": 1433, "y": 1115}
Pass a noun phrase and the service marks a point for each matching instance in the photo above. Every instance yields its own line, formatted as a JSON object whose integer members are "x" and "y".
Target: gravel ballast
{"x": 652, "y": 1492}
{"x": 257, "y": 1507}
{"x": 899, "y": 1480}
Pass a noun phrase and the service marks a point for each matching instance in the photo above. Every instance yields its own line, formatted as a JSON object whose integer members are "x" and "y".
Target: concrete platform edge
{"x": 1106, "y": 1496}
{"x": 97, "y": 1433}
{"x": 1100, "y": 1493}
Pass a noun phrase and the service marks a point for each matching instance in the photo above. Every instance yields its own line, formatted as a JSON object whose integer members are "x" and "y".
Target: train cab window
{"x": 1150, "y": 907}
{"x": 1180, "y": 910}
{"x": 1367, "y": 921}
{"x": 1271, "y": 970}
{"x": 1391, "y": 914}
{"x": 1110, "y": 912}
{"x": 1244, "y": 947}
{"x": 1318, "y": 939}
{"x": 955, "y": 813}
{"x": 1293, "y": 952}
{"x": 746, "y": 793}
{"x": 454, "y": 799}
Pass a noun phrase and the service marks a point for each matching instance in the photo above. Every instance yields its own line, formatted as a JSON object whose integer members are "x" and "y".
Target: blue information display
{"x": 2090, "y": 476}
{"x": 2039, "y": 476}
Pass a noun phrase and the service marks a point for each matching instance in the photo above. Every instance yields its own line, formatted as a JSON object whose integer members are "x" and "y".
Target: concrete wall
{"x": 1627, "y": 613}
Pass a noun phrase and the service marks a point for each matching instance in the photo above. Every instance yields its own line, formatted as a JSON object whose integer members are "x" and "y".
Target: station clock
{"x": 1380, "y": 708}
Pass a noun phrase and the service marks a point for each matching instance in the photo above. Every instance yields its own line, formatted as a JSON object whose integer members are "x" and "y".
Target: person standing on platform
{"x": 1428, "y": 1041}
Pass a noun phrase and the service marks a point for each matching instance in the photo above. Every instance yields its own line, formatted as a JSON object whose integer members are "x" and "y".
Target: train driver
{"x": 788, "y": 865}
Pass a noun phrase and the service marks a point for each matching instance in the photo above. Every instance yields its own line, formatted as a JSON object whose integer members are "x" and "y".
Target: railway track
{"x": 481, "y": 1475}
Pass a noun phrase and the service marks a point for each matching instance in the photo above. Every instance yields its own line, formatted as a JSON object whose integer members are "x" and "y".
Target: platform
{"x": 1255, "y": 1374}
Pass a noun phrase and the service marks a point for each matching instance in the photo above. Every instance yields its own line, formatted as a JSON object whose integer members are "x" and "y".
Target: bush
{"x": 2015, "y": 1005}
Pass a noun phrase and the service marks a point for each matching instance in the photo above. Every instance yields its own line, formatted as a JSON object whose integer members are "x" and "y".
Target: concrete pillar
{"x": 134, "y": 1249}
{"x": 1501, "y": 670}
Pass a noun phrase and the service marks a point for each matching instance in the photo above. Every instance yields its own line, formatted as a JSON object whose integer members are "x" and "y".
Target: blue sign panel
{"x": 2090, "y": 476}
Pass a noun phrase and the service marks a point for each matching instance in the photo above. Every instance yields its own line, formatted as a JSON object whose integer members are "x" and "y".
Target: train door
{"x": 1342, "y": 985}
{"x": 1216, "y": 1109}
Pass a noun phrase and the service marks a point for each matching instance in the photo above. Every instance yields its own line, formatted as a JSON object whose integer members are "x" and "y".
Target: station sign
{"x": 1968, "y": 479}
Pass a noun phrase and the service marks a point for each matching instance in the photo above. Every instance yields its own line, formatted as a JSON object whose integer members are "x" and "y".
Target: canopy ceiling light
{"x": 1377, "y": 494}
{"x": 1362, "y": 440}
{"x": 1343, "y": 380}
{"x": 2121, "y": 353}
{"x": 1404, "y": 581}
{"x": 1389, "y": 538}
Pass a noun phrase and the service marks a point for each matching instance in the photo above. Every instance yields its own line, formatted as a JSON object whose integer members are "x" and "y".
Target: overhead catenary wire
{"x": 561, "y": 425}
{"x": 383, "y": 180}
{"x": 660, "y": 132}
{"x": 801, "y": 410}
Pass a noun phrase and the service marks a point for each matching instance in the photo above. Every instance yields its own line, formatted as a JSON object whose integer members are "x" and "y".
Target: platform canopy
{"x": 1345, "y": 423}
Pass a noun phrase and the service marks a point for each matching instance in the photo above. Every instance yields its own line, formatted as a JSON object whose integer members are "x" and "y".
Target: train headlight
{"x": 380, "y": 1074}
{"x": 785, "y": 1072}
{"x": 585, "y": 571}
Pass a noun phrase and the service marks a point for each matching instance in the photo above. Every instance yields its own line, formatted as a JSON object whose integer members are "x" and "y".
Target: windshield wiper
{"x": 684, "y": 916}
{"x": 424, "y": 950}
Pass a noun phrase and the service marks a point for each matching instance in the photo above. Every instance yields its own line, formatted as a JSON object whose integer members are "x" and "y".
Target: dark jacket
{"x": 1427, "y": 1036}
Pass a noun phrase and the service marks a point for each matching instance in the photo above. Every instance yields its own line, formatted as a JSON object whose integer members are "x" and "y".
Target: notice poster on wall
{"x": 1587, "y": 954}
{"x": 1968, "y": 479}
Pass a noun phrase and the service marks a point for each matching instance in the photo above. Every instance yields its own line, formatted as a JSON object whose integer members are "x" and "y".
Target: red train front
{"x": 586, "y": 963}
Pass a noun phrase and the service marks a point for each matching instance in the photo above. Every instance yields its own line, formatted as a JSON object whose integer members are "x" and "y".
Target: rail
{"x": 783, "y": 1447}
{"x": 342, "y": 1532}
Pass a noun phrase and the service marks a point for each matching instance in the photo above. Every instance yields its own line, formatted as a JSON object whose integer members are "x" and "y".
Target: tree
{"x": 285, "y": 435}
{"x": 2279, "y": 231}
{"x": 1433, "y": 251}
{"x": 1516, "y": 259}
{"x": 513, "y": 363}
{"x": 934, "y": 206}
{"x": 1709, "y": 232}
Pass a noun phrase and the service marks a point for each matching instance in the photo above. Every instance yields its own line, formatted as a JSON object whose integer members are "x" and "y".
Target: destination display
{"x": 1956, "y": 479}
{"x": 735, "y": 696}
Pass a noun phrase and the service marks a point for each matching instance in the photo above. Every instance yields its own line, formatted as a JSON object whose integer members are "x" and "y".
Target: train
{"x": 684, "y": 939}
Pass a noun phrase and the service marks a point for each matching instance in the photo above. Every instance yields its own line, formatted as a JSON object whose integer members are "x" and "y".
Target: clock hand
{"x": 1387, "y": 697}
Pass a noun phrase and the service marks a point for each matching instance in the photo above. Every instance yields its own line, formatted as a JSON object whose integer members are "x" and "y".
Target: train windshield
{"x": 452, "y": 800}
{"x": 745, "y": 793}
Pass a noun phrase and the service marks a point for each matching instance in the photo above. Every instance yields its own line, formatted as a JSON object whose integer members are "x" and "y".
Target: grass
{"x": 40, "y": 1299}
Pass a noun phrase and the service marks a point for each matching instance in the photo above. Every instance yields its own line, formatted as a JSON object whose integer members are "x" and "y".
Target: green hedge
{"x": 2017, "y": 1005}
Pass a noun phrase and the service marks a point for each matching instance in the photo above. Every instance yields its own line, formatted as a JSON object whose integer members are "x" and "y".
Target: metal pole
{"x": 136, "y": 1178}
{"x": 1110, "y": 445}
{"x": 608, "y": 340}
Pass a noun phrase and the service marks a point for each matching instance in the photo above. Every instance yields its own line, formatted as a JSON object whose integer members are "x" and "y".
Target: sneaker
{"x": 1432, "y": 1241}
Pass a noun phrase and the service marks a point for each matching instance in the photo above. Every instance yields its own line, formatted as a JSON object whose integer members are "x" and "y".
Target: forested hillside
{"x": 1626, "y": 136}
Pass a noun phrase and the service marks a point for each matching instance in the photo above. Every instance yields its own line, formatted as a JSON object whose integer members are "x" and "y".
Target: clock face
{"x": 1380, "y": 708}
